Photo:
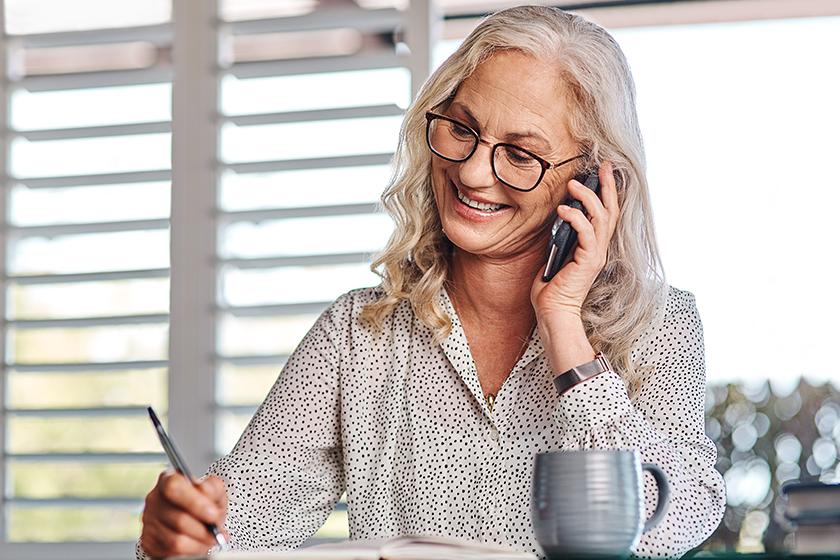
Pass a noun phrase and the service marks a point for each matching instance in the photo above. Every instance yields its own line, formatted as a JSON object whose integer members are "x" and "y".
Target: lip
{"x": 474, "y": 214}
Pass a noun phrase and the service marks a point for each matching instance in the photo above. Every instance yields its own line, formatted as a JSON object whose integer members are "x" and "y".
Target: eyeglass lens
{"x": 511, "y": 165}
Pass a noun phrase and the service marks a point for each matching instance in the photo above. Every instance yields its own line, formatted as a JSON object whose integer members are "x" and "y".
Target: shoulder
{"x": 674, "y": 307}
{"x": 356, "y": 299}
{"x": 679, "y": 301}
{"x": 338, "y": 326}
{"x": 675, "y": 328}
{"x": 346, "y": 312}
{"x": 680, "y": 312}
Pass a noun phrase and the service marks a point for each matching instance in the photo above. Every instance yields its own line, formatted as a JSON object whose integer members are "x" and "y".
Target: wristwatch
{"x": 566, "y": 381}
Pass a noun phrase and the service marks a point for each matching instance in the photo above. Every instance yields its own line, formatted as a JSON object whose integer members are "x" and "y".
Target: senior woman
{"x": 427, "y": 398}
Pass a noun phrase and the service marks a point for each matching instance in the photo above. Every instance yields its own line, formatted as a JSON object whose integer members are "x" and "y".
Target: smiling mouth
{"x": 483, "y": 206}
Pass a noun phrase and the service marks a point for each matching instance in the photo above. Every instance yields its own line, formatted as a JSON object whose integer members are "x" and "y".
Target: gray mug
{"x": 591, "y": 503}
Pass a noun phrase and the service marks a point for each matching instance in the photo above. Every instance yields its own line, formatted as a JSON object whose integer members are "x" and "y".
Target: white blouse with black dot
{"x": 402, "y": 427}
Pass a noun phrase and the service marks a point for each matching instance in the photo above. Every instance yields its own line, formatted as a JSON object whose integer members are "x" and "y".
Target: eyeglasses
{"x": 517, "y": 168}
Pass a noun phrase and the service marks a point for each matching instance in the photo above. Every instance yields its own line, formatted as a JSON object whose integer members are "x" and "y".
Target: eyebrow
{"x": 471, "y": 120}
{"x": 510, "y": 137}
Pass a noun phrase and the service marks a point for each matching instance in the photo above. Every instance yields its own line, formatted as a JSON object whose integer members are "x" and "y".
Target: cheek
{"x": 553, "y": 196}
{"x": 439, "y": 184}
{"x": 559, "y": 190}
{"x": 548, "y": 210}
{"x": 441, "y": 166}
{"x": 440, "y": 171}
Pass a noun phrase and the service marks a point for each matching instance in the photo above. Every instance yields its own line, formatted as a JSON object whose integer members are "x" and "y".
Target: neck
{"x": 494, "y": 292}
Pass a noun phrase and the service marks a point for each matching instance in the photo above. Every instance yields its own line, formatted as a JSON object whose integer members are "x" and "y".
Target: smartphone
{"x": 563, "y": 235}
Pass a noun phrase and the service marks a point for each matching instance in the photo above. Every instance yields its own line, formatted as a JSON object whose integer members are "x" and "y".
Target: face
{"x": 516, "y": 99}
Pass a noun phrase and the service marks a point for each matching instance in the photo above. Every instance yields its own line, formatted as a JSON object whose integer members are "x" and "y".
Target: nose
{"x": 477, "y": 171}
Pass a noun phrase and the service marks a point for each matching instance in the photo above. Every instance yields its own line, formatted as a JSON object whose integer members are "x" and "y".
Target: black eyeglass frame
{"x": 544, "y": 164}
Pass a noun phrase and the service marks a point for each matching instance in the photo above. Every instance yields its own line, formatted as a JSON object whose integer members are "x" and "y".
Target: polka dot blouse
{"x": 401, "y": 425}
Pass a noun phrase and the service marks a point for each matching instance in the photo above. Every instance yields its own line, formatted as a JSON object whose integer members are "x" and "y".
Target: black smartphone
{"x": 563, "y": 235}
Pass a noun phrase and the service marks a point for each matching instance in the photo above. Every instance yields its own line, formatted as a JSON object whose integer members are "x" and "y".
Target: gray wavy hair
{"x": 599, "y": 89}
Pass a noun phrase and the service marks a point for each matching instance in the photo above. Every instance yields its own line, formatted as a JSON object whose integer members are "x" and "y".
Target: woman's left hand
{"x": 564, "y": 295}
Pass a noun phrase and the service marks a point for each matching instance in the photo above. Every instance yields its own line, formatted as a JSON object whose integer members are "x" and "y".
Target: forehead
{"x": 512, "y": 89}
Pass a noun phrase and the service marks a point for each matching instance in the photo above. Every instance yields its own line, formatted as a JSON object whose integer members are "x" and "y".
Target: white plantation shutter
{"x": 86, "y": 274}
{"x": 244, "y": 144}
{"x": 306, "y": 139}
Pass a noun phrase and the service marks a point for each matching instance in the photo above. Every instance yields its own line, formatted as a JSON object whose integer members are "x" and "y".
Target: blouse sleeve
{"x": 665, "y": 423}
{"x": 285, "y": 475}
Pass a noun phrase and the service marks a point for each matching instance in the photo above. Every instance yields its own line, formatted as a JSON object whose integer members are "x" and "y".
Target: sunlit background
{"x": 739, "y": 119}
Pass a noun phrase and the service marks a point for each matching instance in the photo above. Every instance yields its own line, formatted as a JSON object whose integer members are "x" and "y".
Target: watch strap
{"x": 566, "y": 381}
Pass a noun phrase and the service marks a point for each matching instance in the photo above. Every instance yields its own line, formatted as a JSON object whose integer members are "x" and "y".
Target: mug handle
{"x": 662, "y": 484}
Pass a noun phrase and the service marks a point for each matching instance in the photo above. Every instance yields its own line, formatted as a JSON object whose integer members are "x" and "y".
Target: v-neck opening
{"x": 457, "y": 350}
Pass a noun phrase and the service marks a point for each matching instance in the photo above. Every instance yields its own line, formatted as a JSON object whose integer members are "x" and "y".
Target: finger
{"x": 181, "y": 493}
{"x": 179, "y": 505}
{"x": 184, "y": 523}
{"x": 178, "y": 531}
{"x": 169, "y": 530}
{"x": 590, "y": 200}
{"x": 609, "y": 193}
{"x": 602, "y": 209}
{"x": 585, "y": 230}
{"x": 168, "y": 545}
{"x": 214, "y": 488}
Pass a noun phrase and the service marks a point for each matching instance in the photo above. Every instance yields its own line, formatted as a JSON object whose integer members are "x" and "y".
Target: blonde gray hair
{"x": 599, "y": 89}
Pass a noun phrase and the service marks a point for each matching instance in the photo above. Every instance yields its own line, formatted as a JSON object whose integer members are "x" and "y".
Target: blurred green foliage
{"x": 69, "y": 479}
{"x": 77, "y": 524}
{"x": 118, "y": 343}
{"x": 81, "y": 435}
{"x": 33, "y": 390}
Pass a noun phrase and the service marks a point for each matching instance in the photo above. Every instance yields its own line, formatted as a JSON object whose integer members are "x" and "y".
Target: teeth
{"x": 483, "y": 206}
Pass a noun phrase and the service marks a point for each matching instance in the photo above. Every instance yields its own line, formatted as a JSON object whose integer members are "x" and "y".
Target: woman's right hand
{"x": 176, "y": 512}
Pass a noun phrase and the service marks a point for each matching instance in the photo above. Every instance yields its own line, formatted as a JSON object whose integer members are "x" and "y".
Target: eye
{"x": 461, "y": 131}
{"x": 517, "y": 157}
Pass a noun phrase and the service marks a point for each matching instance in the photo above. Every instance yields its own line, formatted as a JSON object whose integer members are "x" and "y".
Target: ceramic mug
{"x": 592, "y": 503}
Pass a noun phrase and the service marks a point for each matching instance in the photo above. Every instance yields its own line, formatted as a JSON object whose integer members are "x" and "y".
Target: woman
{"x": 427, "y": 398}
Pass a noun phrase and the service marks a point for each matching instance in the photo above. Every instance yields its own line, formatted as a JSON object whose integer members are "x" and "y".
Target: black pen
{"x": 181, "y": 467}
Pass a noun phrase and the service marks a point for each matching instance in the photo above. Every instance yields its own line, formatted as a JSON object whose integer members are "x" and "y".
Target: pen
{"x": 181, "y": 467}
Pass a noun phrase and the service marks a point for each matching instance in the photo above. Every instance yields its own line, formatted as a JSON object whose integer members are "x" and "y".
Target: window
{"x": 171, "y": 232}
{"x": 86, "y": 268}
{"x": 734, "y": 140}
{"x": 120, "y": 154}
{"x": 309, "y": 124}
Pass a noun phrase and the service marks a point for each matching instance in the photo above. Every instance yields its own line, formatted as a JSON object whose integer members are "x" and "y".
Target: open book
{"x": 398, "y": 548}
